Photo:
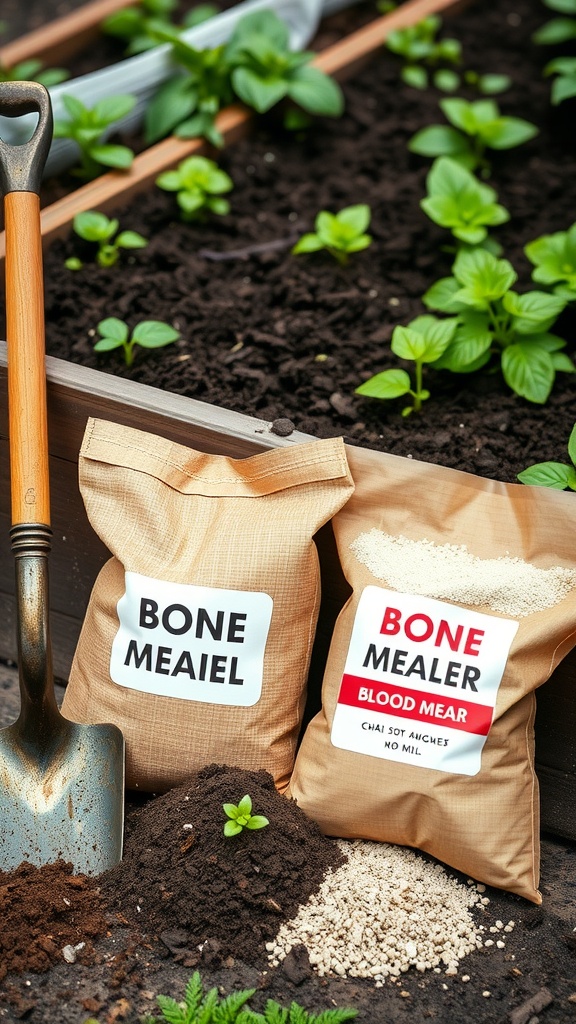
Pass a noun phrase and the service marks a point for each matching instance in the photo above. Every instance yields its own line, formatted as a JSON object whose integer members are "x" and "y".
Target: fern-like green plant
{"x": 200, "y": 1007}
{"x": 274, "y": 1013}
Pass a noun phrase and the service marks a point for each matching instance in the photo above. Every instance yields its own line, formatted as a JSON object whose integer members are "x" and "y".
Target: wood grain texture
{"x": 57, "y": 40}
{"x": 26, "y": 373}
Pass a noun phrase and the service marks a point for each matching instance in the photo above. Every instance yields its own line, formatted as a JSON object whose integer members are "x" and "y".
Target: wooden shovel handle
{"x": 27, "y": 414}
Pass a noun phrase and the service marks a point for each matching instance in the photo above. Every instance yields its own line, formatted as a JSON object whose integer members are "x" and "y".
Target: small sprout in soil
{"x": 265, "y": 70}
{"x": 421, "y": 50}
{"x": 424, "y": 340}
{"x": 494, "y": 320}
{"x": 94, "y": 226}
{"x": 554, "y": 259}
{"x": 339, "y": 233}
{"x": 87, "y": 127}
{"x": 199, "y": 184}
{"x": 558, "y": 475}
{"x": 240, "y": 817}
{"x": 474, "y": 127}
{"x": 115, "y": 333}
{"x": 138, "y": 26}
{"x": 458, "y": 201}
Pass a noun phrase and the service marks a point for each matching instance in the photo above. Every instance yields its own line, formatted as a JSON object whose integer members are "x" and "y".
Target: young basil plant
{"x": 474, "y": 127}
{"x": 88, "y": 126}
{"x": 33, "y": 71}
{"x": 115, "y": 333}
{"x": 554, "y": 259}
{"x": 265, "y": 70}
{"x": 240, "y": 817}
{"x": 339, "y": 233}
{"x": 458, "y": 201}
{"x": 199, "y": 184}
{"x": 421, "y": 51}
{"x": 558, "y": 475}
{"x": 495, "y": 321}
{"x": 94, "y": 226}
{"x": 424, "y": 340}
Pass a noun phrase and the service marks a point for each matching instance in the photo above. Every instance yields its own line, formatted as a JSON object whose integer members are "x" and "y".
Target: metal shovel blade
{"x": 67, "y": 809}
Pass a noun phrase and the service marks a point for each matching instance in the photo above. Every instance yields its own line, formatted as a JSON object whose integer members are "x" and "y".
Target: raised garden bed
{"x": 247, "y": 309}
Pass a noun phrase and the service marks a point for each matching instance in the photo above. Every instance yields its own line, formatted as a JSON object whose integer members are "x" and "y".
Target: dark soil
{"x": 278, "y": 336}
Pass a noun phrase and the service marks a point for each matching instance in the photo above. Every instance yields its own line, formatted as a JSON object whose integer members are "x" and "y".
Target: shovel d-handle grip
{"x": 22, "y": 166}
{"x": 20, "y": 177}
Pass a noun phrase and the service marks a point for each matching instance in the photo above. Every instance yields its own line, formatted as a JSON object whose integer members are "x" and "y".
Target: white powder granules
{"x": 449, "y": 572}
{"x": 383, "y": 911}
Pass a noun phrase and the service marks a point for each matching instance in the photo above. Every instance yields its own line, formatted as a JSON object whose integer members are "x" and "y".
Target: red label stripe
{"x": 431, "y": 708}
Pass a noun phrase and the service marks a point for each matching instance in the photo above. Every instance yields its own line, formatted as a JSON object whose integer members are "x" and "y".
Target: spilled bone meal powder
{"x": 450, "y": 572}
{"x": 386, "y": 909}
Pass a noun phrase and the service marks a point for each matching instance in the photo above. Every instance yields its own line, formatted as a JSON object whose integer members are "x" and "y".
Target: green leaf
{"x": 232, "y": 828}
{"x": 549, "y": 474}
{"x": 490, "y": 85}
{"x": 355, "y": 217}
{"x": 424, "y": 339}
{"x": 231, "y": 810}
{"x": 94, "y": 226}
{"x": 112, "y": 327}
{"x": 245, "y": 805}
{"x": 113, "y": 108}
{"x": 173, "y": 102}
{"x": 507, "y": 132}
{"x": 257, "y": 821}
{"x": 75, "y": 108}
{"x": 483, "y": 277}
{"x": 572, "y": 445}
{"x": 388, "y": 384}
{"x": 154, "y": 334}
{"x": 563, "y": 88}
{"x": 471, "y": 343}
{"x": 446, "y": 80}
{"x": 438, "y": 140}
{"x": 528, "y": 370}
{"x": 414, "y": 75}
{"x": 107, "y": 344}
{"x": 562, "y": 363}
{"x": 120, "y": 157}
{"x": 440, "y": 296}
{"x": 534, "y": 311}
{"x": 316, "y": 92}
{"x": 131, "y": 240}
{"x": 259, "y": 93}
{"x": 469, "y": 116}
{"x": 557, "y": 30}
{"x": 308, "y": 243}
{"x": 73, "y": 263}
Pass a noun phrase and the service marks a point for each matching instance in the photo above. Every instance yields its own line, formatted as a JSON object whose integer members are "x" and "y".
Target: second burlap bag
{"x": 463, "y": 603}
{"x": 198, "y": 634}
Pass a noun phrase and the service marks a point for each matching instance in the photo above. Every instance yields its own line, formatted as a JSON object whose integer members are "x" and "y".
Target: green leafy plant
{"x": 339, "y": 233}
{"x": 240, "y": 817}
{"x": 424, "y": 340}
{"x": 115, "y": 333}
{"x": 139, "y": 26}
{"x": 87, "y": 127}
{"x": 564, "y": 86}
{"x": 421, "y": 50}
{"x": 94, "y": 226}
{"x": 558, "y": 475}
{"x": 199, "y": 184}
{"x": 458, "y": 201}
{"x": 188, "y": 102}
{"x": 200, "y": 1007}
{"x": 33, "y": 71}
{"x": 554, "y": 259}
{"x": 474, "y": 128}
{"x": 274, "y": 1013}
{"x": 495, "y": 321}
{"x": 265, "y": 70}
{"x": 558, "y": 30}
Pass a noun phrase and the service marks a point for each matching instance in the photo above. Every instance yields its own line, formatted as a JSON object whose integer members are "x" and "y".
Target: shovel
{"x": 61, "y": 784}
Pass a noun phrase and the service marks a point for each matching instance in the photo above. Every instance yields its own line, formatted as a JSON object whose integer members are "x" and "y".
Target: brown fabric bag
{"x": 198, "y": 634}
{"x": 418, "y": 741}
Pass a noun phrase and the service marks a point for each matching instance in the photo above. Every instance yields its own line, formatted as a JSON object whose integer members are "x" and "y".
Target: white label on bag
{"x": 420, "y": 681}
{"x": 195, "y": 643}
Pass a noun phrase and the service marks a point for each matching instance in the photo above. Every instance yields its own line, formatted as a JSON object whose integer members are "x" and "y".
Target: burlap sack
{"x": 198, "y": 634}
{"x": 425, "y": 737}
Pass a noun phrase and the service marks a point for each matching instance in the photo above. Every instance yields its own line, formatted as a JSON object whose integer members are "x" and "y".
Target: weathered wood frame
{"x": 74, "y": 393}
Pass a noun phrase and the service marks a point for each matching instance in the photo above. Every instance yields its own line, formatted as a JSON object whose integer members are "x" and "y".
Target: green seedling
{"x": 558, "y": 30}
{"x": 424, "y": 340}
{"x": 93, "y": 226}
{"x": 558, "y": 475}
{"x": 554, "y": 259}
{"x": 458, "y": 201}
{"x": 495, "y": 322}
{"x": 115, "y": 333}
{"x": 240, "y": 817}
{"x": 274, "y": 1013}
{"x": 139, "y": 26}
{"x": 188, "y": 102}
{"x": 33, "y": 71}
{"x": 421, "y": 52}
{"x": 564, "y": 85}
{"x": 265, "y": 70}
{"x": 87, "y": 127}
{"x": 339, "y": 233}
{"x": 199, "y": 184}
{"x": 474, "y": 128}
